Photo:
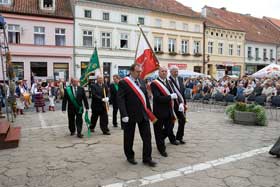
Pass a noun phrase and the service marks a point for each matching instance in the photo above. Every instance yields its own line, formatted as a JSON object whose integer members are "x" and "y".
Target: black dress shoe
{"x": 150, "y": 163}
{"x": 132, "y": 161}
{"x": 80, "y": 135}
{"x": 175, "y": 142}
{"x": 72, "y": 134}
{"x": 182, "y": 142}
{"x": 164, "y": 154}
{"x": 107, "y": 133}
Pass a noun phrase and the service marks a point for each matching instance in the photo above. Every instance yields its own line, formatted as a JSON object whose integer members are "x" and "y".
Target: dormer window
{"x": 48, "y": 3}
{"x": 5, "y": 2}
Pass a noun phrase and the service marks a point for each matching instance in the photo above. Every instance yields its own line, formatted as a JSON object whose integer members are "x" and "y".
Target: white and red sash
{"x": 179, "y": 95}
{"x": 165, "y": 92}
{"x": 139, "y": 93}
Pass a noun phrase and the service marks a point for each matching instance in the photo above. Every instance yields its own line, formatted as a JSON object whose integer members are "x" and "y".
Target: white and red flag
{"x": 145, "y": 56}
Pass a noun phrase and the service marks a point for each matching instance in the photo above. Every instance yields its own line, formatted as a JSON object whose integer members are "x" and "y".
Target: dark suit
{"x": 75, "y": 119}
{"x": 98, "y": 107}
{"x": 163, "y": 111}
{"x": 113, "y": 101}
{"x": 180, "y": 115}
{"x": 130, "y": 106}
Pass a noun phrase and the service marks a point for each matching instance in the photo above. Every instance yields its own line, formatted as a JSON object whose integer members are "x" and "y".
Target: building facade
{"x": 40, "y": 37}
{"x": 111, "y": 26}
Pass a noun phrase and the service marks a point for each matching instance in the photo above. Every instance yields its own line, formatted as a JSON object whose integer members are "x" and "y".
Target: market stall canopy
{"x": 270, "y": 71}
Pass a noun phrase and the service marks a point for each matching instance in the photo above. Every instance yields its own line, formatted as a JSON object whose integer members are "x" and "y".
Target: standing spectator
{"x": 114, "y": 87}
{"x": 52, "y": 96}
{"x": 39, "y": 98}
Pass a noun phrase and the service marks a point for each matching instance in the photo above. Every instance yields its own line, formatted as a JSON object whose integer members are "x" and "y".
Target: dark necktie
{"x": 137, "y": 83}
{"x": 75, "y": 90}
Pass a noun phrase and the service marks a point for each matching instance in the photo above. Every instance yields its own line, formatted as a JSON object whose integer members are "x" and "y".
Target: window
{"x": 141, "y": 20}
{"x": 257, "y": 53}
{"x": 171, "y": 45}
{"x": 249, "y": 52}
{"x": 158, "y": 22}
{"x": 61, "y": 71}
{"x": 265, "y": 54}
{"x": 197, "y": 28}
{"x": 158, "y": 44}
{"x": 39, "y": 35}
{"x": 14, "y": 34}
{"x": 48, "y": 3}
{"x": 197, "y": 69}
{"x": 5, "y": 2}
{"x": 124, "y": 41}
{"x": 84, "y": 67}
{"x": 106, "y": 16}
{"x": 59, "y": 37}
{"x": 39, "y": 69}
{"x": 124, "y": 18}
{"x": 271, "y": 54}
{"x": 185, "y": 27}
{"x": 185, "y": 46}
{"x": 196, "y": 47}
{"x": 220, "y": 48}
{"x": 19, "y": 70}
{"x": 106, "y": 39}
{"x": 238, "y": 50}
{"x": 210, "y": 47}
{"x": 87, "y": 13}
{"x": 172, "y": 25}
{"x": 230, "y": 49}
{"x": 87, "y": 38}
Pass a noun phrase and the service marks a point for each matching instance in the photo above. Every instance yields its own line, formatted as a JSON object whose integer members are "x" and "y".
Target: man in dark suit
{"x": 180, "y": 104}
{"x": 162, "y": 108}
{"x": 133, "y": 111}
{"x": 75, "y": 96}
{"x": 100, "y": 105}
{"x": 114, "y": 87}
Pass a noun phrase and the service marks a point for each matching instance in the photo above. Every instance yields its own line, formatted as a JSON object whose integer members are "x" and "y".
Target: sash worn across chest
{"x": 141, "y": 96}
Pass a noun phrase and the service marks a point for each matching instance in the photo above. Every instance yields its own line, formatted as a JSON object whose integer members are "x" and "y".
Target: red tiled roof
{"x": 274, "y": 21}
{"x": 257, "y": 30}
{"x": 165, "y": 6}
{"x": 31, "y": 7}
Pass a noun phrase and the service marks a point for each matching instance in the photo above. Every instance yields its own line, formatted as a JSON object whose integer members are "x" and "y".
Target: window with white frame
{"x": 39, "y": 35}
{"x": 106, "y": 38}
{"x": 230, "y": 49}
{"x": 60, "y": 39}
{"x": 185, "y": 27}
{"x": 87, "y": 38}
{"x": 220, "y": 48}
{"x": 249, "y": 52}
{"x": 13, "y": 34}
{"x": 171, "y": 45}
{"x": 106, "y": 16}
{"x": 238, "y": 50}
{"x": 5, "y": 2}
{"x": 48, "y": 3}
{"x": 158, "y": 44}
{"x": 210, "y": 47}
{"x": 196, "y": 47}
{"x": 265, "y": 54}
{"x": 271, "y": 54}
{"x": 124, "y": 41}
{"x": 124, "y": 18}
{"x": 172, "y": 24}
{"x": 158, "y": 22}
{"x": 185, "y": 46}
{"x": 87, "y": 13}
{"x": 197, "y": 28}
{"x": 141, "y": 20}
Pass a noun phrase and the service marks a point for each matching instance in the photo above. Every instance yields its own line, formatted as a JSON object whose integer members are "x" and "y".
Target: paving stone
{"x": 237, "y": 182}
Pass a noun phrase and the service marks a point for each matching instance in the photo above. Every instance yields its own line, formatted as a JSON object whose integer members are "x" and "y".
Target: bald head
{"x": 100, "y": 79}
{"x": 74, "y": 81}
{"x": 162, "y": 72}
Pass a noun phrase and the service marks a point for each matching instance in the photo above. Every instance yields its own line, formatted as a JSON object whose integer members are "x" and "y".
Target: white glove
{"x": 125, "y": 119}
{"x": 106, "y": 99}
{"x": 181, "y": 107}
{"x": 173, "y": 96}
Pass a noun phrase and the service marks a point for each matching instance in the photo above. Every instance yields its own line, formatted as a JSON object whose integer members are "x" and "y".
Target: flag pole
{"x": 137, "y": 45}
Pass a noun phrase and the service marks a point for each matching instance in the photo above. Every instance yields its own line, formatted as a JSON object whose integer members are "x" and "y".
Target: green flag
{"x": 92, "y": 66}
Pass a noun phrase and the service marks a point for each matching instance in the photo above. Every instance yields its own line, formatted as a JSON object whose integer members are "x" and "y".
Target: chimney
{"x": 224, "y": 8}
{"x": 204, "y": 12}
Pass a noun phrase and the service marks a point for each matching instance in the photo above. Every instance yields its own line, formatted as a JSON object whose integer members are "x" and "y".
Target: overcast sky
{"x": 257, "y": 8}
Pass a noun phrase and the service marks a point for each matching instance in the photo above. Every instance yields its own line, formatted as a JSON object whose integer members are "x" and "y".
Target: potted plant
{"x": 172, "y": 53}
{"x": 159, "y": 52}
{"x": 247, "y": 114}
{"x": 186, "y": 54}
{"x": 197, "y": 55}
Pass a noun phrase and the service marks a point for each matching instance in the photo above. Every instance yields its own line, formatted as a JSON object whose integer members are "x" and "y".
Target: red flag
{"x": 145, "y": 56}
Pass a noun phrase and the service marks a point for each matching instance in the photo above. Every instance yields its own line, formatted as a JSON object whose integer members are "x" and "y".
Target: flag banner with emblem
{"x": 145, "y": 56}
{"x": 92, "y": 66}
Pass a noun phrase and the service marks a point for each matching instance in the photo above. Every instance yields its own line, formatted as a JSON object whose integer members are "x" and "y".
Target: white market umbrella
{"x": 271, "y": 71}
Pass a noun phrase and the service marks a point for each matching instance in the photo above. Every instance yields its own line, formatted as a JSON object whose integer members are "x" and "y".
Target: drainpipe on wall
{"x": 74, "y": 40}
{"x": 203, "y": 55}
